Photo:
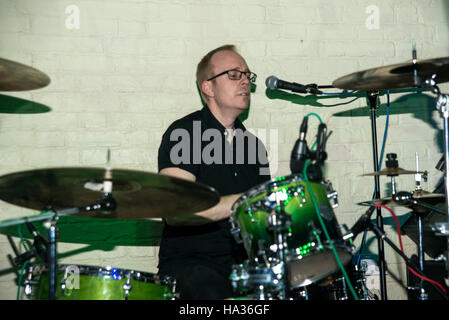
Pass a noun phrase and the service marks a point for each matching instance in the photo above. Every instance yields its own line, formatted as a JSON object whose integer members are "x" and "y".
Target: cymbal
{"x": 395, "y": 76}
{"x": 15, "y": 76}
{"x": 392, "y": 172}
{"x": 96, "y": 231}
{"x": 417, "y": 194}
{"x": 138, "y": 194}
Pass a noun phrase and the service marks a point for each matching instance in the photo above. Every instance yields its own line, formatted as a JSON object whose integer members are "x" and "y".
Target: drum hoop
{"x": 262, "y": 187}
{"x": 108, "y": 272}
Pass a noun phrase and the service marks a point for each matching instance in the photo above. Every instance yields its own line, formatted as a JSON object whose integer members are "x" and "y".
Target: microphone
{"x": 40, "y": 243}
{"x": 321, "y": 154}
{"x": 300, "y": 152}
{"x": 273, "y": 83}
{"x": 361, "y": 224}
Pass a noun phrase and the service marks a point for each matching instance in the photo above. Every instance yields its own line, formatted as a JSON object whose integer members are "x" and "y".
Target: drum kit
{"x": 296, "y": 248}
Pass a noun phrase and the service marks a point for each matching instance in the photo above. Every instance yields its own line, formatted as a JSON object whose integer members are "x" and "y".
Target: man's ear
{"x": 207, "y": 89}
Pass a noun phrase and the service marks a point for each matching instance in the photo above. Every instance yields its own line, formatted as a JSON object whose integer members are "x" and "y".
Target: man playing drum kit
{"x": 199, "y": 251}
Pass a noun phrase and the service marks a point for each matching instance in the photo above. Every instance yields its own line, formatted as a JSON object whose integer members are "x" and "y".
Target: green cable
{"x": 19, "y": 283}
{"x": 22, "y": 241}
{"x": 316, "y": 115}
{"x": 317, "y": 210}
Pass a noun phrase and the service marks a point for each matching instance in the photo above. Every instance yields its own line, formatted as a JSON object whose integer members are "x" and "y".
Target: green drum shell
{"x": 99, "y": 284}
{"x": 253, "y": 225}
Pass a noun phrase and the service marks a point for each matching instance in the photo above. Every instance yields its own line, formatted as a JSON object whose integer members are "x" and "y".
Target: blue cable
{"x": 378, "y": 166}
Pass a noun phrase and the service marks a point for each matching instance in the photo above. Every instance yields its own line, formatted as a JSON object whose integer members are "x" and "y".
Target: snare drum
{"x": 310, "y": 256}
{"x": 81, "y": 282}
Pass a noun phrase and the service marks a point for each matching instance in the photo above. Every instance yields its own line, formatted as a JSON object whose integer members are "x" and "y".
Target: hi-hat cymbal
{"x": 396, "y": 76}
{"x": 392, "y": 172}
{"x": 15, "y": 76}
{"x": 417, "y": 194}
{"x": 138, "y": 194}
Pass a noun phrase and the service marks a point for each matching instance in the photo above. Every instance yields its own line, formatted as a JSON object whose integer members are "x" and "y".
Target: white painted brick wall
{"x": 128, "y": 72}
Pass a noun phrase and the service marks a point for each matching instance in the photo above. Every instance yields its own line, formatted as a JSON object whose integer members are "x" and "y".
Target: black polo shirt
{"x": 194, "y": 143}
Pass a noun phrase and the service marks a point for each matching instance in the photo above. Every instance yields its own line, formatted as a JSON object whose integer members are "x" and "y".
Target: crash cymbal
{"x": 96, "y": 231}
{"x": 15, "y": 76}
{"x": 395, "y": 76}
{"x": 138, "y": 194}
{"x": 392, "y": 172}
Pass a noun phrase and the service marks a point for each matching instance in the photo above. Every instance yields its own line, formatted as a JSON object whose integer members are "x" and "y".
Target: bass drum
{"x": 81, "y": 282}
{"x": 310, "y": 255}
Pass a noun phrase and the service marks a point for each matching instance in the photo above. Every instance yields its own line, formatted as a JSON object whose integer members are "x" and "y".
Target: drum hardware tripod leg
{"x": 423, "y": 294}
{"x": 372, "y": 98}
{"x": 381, "y": 234}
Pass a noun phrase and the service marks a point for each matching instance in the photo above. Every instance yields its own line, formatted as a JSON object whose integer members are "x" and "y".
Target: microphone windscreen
{"x": 271, "y": 82}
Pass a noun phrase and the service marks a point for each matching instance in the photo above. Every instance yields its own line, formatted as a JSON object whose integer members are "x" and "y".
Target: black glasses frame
{"x": 251, "y": 76}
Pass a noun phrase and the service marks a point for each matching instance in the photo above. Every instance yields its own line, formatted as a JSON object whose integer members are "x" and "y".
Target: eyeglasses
{"x": 237, "y": 75}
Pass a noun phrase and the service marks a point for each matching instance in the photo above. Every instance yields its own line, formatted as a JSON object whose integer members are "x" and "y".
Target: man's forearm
{"x": 220, "y": 211}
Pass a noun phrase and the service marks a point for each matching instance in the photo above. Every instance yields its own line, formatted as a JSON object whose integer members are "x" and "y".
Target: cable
{"x": 402, "y": 249}
{"x": 317, "y": 210}
{"x": 19, "y": 283}
{"x": 379, "y": 166}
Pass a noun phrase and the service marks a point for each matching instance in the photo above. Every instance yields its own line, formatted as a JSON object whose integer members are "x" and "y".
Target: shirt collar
{"x": 212, "y": 122}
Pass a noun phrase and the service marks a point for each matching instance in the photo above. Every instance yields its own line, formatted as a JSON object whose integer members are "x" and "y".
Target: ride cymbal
{"x": 15, "y": 76}
{"x": 396, "y": 76}
{"x": 138, "y": 194}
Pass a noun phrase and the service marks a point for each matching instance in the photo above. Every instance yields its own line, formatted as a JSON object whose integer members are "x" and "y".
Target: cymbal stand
{"x": 106, "y": 203}
{"x": 278, "y": 223}
{"x": 442, "y": 105}
{"x": 422, "y": 294}
{"x": 372, "y": 98}
{"x": 52, "y": 257}
{"x": 419, "y": 215}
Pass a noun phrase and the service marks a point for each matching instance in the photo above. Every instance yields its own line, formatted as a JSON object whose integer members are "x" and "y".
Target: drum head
{"x": 309, "y": 269}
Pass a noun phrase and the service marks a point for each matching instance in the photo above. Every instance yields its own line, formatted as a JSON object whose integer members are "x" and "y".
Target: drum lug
{"x": 173, "y": 294}
{"x": 235, "y": 230}
{"x": 236, "y": 234}
{"x": 29, "y": 282}
{"x": 314, "y": 237}
{"x": 332, "y": 195}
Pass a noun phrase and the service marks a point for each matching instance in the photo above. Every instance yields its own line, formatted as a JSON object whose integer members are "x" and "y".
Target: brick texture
{"x": 128, "y": 71}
